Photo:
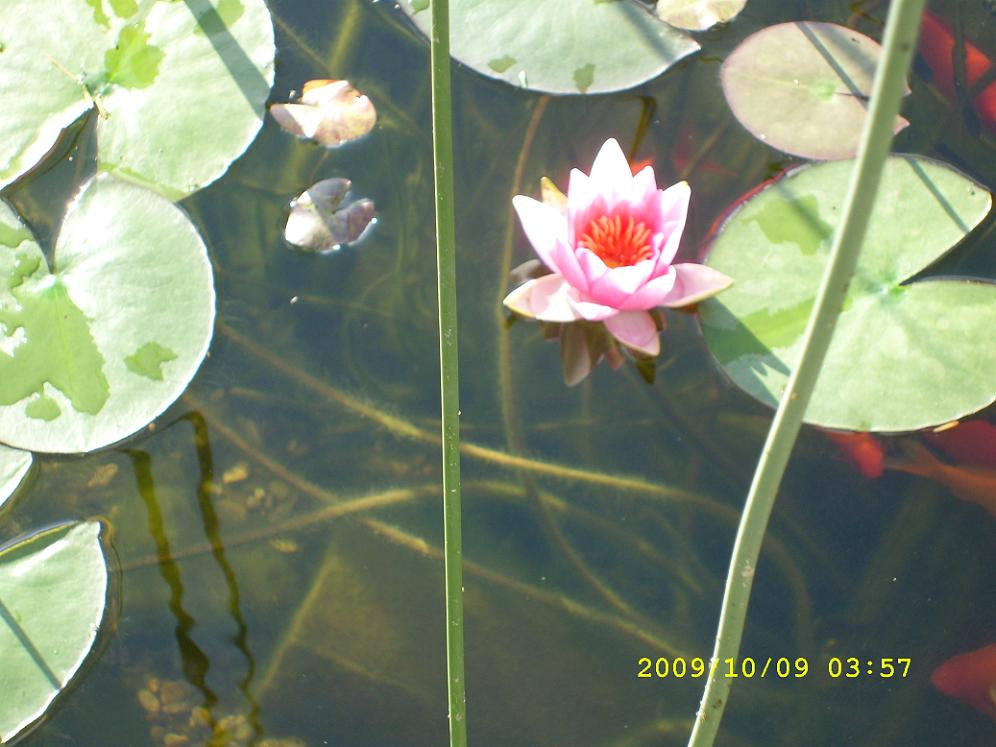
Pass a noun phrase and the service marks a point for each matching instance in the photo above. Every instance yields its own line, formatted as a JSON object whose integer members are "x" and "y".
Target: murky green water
{"x": 279, "y": 528}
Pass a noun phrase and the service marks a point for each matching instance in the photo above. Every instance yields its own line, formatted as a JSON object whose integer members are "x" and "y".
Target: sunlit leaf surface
{"x": 14, "y": 465}
{"x": 330, "y": 112}
{"x": 180, "y": 86}
{"x": 560, "y": 46}
{"x": 698, "y": 15}
{"x": 803, "y": 87}
{"x": 53, "y": 594}
{"x": 97, "y": 346}
{"x": 905, "y": 355}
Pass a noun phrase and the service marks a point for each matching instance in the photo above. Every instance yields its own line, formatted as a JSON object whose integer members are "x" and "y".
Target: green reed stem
{"x": 897, "y": 52}
{"x": 442, "y": 158}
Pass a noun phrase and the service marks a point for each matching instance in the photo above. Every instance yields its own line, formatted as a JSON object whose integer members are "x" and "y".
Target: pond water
{"x": 279, "y": 527}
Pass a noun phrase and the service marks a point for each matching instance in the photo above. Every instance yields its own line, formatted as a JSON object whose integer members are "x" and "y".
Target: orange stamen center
{"x": 617, "y": 240}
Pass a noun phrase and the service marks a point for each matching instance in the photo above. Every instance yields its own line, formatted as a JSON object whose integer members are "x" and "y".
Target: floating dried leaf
{"x": 698, "y": 15}
{"x": 322, "y": 219}
{"x": 330, "y": 112}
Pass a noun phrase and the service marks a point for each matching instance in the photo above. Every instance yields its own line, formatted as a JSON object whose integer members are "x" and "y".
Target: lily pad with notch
{"x": 53, "y": 600}
{"x": 180, "y": 86}
{"x": 96, "y": 347}
{"x": 560, "y": 46}
{"x": 803, "y": 87}
{"x": 907, "y": 353}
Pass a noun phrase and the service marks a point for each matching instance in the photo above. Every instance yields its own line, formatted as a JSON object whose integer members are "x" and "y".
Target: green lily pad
{"x": 560, "y": 46}
{"x": 53, "y": 595}
{"x": 97, "y": 347}
{"x": 14, "y": 465}
{"x": 905, "y": 355}
{"x": 180, "y": 86}
{"x": 698, "y": 15}
{"x": 803, "y": 87}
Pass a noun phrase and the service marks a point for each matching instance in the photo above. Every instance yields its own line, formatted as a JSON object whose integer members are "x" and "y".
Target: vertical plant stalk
{"x": 442, "y": 159}
{"x": 897, "y": 51}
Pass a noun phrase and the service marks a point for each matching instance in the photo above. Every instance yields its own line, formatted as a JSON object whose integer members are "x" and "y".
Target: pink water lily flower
{"x": 610, "y": 250}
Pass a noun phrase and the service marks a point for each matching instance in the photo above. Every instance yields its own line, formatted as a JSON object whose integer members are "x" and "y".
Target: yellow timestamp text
{"x": 782, "y": 667}
{"x": 853, "y": 667}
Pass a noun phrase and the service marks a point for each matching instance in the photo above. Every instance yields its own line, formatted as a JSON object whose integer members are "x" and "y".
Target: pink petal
{"x": 546, "y": 298}
{"x": 619, "y": 283}
{"x": 666, "y": 244}
{"x": 610, "y": 173}
{"x": 672, "y": 212}
{"x": 695, "y": 283}
{"x": 643, "y": 198}
{"x": 591, "y": 310}
{"x": 636, "y": 330}
{"x": 645, "y": 184}
{"x": 674, "y": 201}
{"x": 583, "y": 202}
{"x": 653, "y": 293}
{"x": 544, "y": 227}
{"x": 592, "y": 266}
{"x": 580, "y": 191}
{"x": 569, "y": 266}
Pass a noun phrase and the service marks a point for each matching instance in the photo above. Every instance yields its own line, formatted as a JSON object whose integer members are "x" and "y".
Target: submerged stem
{"x": 442, "y": 159}
{"x": 897, "y": 51}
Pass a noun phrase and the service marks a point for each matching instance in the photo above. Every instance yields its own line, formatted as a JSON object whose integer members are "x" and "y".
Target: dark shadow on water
{"x": 195, "y": 662}
{"x": 209, "y": 517}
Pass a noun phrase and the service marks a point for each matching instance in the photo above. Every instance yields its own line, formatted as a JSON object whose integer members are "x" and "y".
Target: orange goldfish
{"x": 969, "y": 442}
{"x": 969, "y": 482}
{"x": 970, "y": 677}
{"x": 862, "y": 450}
{"x": 937, "y": 45}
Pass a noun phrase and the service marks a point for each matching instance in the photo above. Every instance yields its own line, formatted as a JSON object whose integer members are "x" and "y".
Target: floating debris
{"x": 284, "y": 545}
{"x": 235, "y": 473}
{"x": 698, "y": 15}
{"x": 102, "y": 476}
{"x": 176, "y": 720}
{"x": 322, "y": 220}
{"x": 330, "y": 112}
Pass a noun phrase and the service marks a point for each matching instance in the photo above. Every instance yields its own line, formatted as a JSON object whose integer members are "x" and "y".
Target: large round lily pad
{"x": 803, "y": 87}
{"x": 98, "y": 346}
{"x": 180, "y": 86}
{"x": 560, "y": 46}
{"x": 14, "y": 465}
{"x": 53, "y": 595}
{"x": 905, "y": 355}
